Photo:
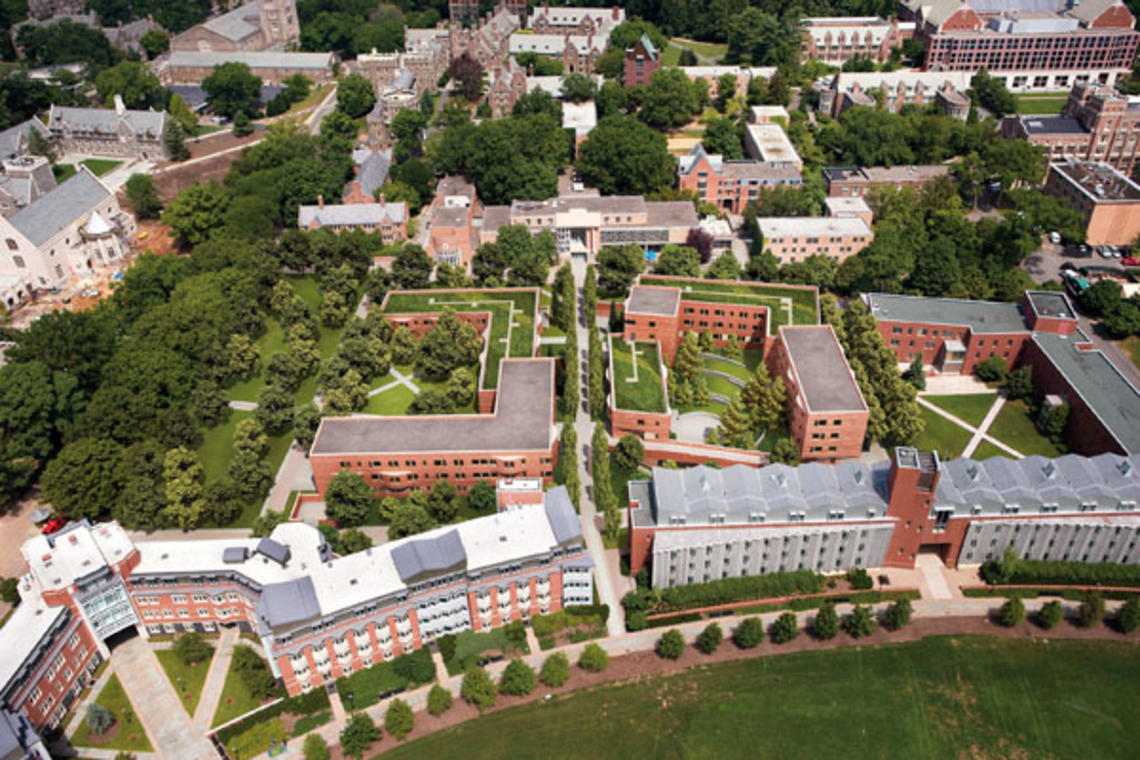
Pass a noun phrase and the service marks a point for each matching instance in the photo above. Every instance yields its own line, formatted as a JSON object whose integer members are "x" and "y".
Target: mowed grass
{"x": 513, "y": 313}
{"x": 187, "y": 680}
{"x": 987, "y": 450}
{"x": 942, "y": 435}
{"x": 392, "y": 401}
{"x": 1014, "y": 428}
{"x": 942, "y": 697}
{"x": 217, "y": 450}
{"x": 1041, "y": 104}
{"x": 804, "y": 305}
{"x": 100, "y": 166}
{"x": 1131, "y": 344}
{"x": 645, "y": 392}
{"x": 971, "y": 407}
{"x": 235, "y": 700}
{"x": 706, "y": 49}
{"x": 128, "y": 733}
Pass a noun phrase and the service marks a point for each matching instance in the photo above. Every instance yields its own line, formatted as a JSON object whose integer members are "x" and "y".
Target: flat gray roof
{"x": 649, "y": 300}
{"x": 1100, "y": 384}
{"x": 523, "y": 421}
{"x": 1048, "y": 304}
{"x": 824, "y": 376}
{"x": 979, "y": 316}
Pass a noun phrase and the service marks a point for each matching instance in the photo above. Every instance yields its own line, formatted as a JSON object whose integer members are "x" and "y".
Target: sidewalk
{"x": 215, "y": 679}
{"x": 978, "y": 434}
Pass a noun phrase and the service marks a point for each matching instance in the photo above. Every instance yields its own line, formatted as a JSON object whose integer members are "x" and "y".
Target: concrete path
{"x": 340, "y": 715}
{"x": 691, "y": 427}
{"x": 243, "y": 406}
{"x": 931, "y": 568}
{"x": 979, "y": 433}
{"x": 401, "y": 379}
{"x": 295, "y": 474}
{"x": 156, "y": 703}
{"x": 215, "y": 679}
{"x": 953, "y": 385}
{"x": 532, "y": 641}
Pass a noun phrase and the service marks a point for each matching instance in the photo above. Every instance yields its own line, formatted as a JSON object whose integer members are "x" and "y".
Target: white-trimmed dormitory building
{"x": 72, "y": 230}
{"x": 704, "y": 524}
{"x": 318, "y": 615}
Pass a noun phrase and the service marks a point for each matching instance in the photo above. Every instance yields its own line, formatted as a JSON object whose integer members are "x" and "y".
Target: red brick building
{"x": 827, "y": 416}
{"x": 731, "y": 184}
{"x": 704, "y": 524}
{"x": 851, "y": 181}
{"x": 399, "y": 454}
{"x": 641, "y": 61}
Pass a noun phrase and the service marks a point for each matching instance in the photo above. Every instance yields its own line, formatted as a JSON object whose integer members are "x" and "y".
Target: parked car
{"x": 1068, "y": 266}
{"x": 54, "y": 525}
{"x": 1129, "y": 261}
{"x": 1104, "y": 252}
{"x": 1054, "y": 237}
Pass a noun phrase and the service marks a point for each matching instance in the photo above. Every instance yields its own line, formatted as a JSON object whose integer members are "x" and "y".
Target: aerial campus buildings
{"x": 703, "y": 524}
{"x": 319, "y": 616}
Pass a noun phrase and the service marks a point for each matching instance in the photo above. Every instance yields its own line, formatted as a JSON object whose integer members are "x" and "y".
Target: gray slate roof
{"x": 147, "y": 124}
{"x": 429, "y": 556}
{"x": 55, "y": 210}
{"x": 10, "y": 138}
{"x": 276, "y": 551}
{"x": 288, "y": 602}
{"x": 560, "y": 513}
{"x": 258, "y": 60}
{"x": 352, "y": 214}
{"x": 979, "y": 316}
{"x": 772, "y": 494}
{"x": 372, "y": 168}
{"x": 238, "y": 24}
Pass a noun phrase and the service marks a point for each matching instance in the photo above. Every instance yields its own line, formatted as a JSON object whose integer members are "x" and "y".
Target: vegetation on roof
{"x": 637, "y": 379}
{"x": 786, "y": 305}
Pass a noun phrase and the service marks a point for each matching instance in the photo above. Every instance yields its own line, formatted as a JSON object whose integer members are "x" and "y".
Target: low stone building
{"x": 390, "y": 220}
{"x": 117, "y": 131}
{"x": 191, "y": 67}
{"x": 258, "y": 25}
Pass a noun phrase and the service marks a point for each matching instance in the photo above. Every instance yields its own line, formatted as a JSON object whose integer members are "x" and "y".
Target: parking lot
{"x": 1044, "y": 265}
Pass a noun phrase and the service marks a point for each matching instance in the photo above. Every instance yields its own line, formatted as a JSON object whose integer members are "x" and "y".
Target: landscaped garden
{"x": 786, "y": 305}
{"x": 637, "y": 376}
{"x": 970, "y": 407}
{"x": 460, "y": 649}
{"x": 941, "y": 435}
{"x": 248, "y": 685}
{"x": 126, "y": 734}
{"x": 511, "y": 333}
{"x": 570, "y": 625}
{"x": 186, "y": 674}
{"x": 367, "y": 687}
{"x": 1014, "y": 428}
{"x": 939, "y": 697}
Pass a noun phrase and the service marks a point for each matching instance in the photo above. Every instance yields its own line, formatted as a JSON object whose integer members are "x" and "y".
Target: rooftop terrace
{"x": 787, "y": 305}
{"x": 637, "y": 378}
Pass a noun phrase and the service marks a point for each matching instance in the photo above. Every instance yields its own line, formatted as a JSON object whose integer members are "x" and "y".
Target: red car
{"x": 1128, "y": 261}
{"x": 54, "y": 525}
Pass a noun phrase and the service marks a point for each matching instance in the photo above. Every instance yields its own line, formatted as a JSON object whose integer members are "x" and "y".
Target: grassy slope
{"x": 646, "y": 394}
{"x": 193, "y": 676}
{"x": 944, "y": 697}
{"x": 1041, "y": 104}
{"x": 970, "y": 407}
{"x": 942, "y": 434}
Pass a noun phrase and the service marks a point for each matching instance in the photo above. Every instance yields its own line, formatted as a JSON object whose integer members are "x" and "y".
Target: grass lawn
{"x": 986, "y": 450}
{"x": 217, "y": 450}
{"x": 193, "y": 677}
{"x": 272, "y": 342}
{"x": 1131, "y": 344}
{"x": 942, "y": 697}
{"x": 235, "y": 700}
{"x": 718, "y": 384}
{"x": 100, "y": 166}
{"x": 942, "y": 435}
{"x": 786, "y": 305}
{"x": 643, "y": 391}
{"x": 671, "y": 56}
{"x": 392, "y": 401}
{"x": 513, "y": 313}
{"x": 706, "y": 49}
{"x": 1014, "y": 428}
{"x": 129, "y": 734}
{"x": 63, "y": 171}
{"x": 469, "y": 643}
{"x": 619, "y": 479}
{"x": 316, "y": 95}
{"x": 969, "y": 408}
{"x": 721, "y": 364}
{"x": 1041, "y": 104}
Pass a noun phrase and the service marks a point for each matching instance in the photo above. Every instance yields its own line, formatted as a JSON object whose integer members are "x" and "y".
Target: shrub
{"x": 749, "y": 633}
{"x": 478, "y": 688}
{"x": 515, "y": 634}
{"x": 671, "y": 645}
{"x": 398, "y": 719}
{"x": 991, "y": 370}
{"x": 99, "y": 718}
{"x": 860, "y": 622}
{"x": 191, "y": 648}
{"x": 860, "y": 579}
{"x": 555, "y": 670}
{"x": 1012, "y": 612}
{"x": 315, "y": 748}
{"x": 636, "y": 621}
{"x": 594, "y": 659}
{"x": 898, "y": 614}
{"x": 786, "y": 628}
{"x": 9, "y": 590}
{"x": 1027, "y": 572}
{"x": 517, "y": 679}
{"x": 729, "y": 590}
{"x": 1127, "y": 618}
{"x": 254, "y": 673}
{"x": 826, "y": 622}
{"x": 439, "y": 700}
{"x": 1091, "y": 611}
{"x": 357, "y": 735}
{"x": 446, "y": 646}
{"x": 256, "y": 739}
{"x": 1050, "y": 614}
{"x": 709, "y": 639}
{"x": 416, "y": 667}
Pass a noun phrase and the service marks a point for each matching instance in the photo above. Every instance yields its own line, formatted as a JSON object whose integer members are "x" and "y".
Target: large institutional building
{"x": 318, "y": 615}
{"x": 703, "y": 524}
{"x": 259, "y": 25}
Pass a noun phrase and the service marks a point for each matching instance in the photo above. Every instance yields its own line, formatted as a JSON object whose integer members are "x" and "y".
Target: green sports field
{"x": 513, "y": 314}
{"x": 942, "y": 697}
{"x": 787, "y": 305}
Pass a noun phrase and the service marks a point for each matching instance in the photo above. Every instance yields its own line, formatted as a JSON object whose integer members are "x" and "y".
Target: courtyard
{"x": 980, "y": 425}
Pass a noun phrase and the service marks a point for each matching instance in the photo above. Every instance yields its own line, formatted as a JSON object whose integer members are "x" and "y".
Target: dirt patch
{"x": 639, "y": 666}
{"x": 210, "y": 159}
{"x": 153, "y": 236}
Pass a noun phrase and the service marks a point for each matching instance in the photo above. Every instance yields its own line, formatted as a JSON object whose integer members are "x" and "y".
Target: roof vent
{"x": 704, "y": 483}
{"x": 502, "y": 539}
{"x": 1050, "y": 470}
{"x": 352, "y": 582}
{"x": 972, "y": 472}
{"x": 858, "y": 476}
{"x": 73, "y": 538}
{"x": 164, "y": 556}
{"x": 1125, "y": 468}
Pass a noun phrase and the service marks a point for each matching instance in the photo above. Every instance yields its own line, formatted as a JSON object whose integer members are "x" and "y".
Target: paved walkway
{"x": 295, "y": 474}
{"x": 979, "y": 433}
{"x": 155, "y": 701}
{"x": 953, "y": 385}
{"x": 243, "y": 406}
{"x": 931, "y": 568}
{"x": 401, "y": 379}
{"x": 215, "y": 679}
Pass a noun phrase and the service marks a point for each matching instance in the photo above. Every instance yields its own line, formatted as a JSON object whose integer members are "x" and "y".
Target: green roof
{"x": 786, "y": 305}
{"x": 514, "y": 316}
{"x": 637, "y": 385}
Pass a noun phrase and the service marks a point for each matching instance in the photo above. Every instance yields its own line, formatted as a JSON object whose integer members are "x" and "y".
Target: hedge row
{"x": 724, "y": 591}
{"x": 674, "y": 620}
{"x": 1011, "y": 570}
{"x": 303, "y": 704}
{"x": 367, "y": 687}
{"x": 1073, "y": 595}
{"x": 570, "y": 617}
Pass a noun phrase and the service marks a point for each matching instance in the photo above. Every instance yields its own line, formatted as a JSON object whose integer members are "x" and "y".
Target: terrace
{"x": 786, "y": 305}
{"x": 638, "y": 384}
{"x": 513, "y": 317}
